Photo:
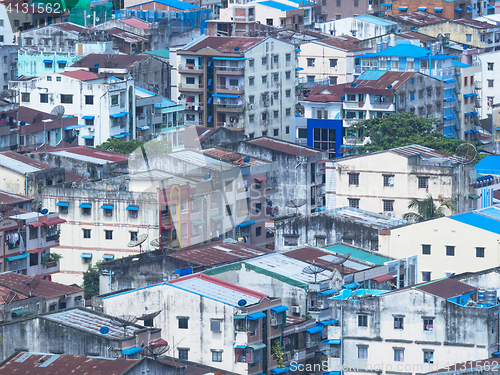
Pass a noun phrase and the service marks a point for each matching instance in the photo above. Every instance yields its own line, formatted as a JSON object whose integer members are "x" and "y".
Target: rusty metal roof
{"x": 82, "y": 75}
{"x": 473, "y": 23}
{"x": 341, "y": 43}
{"x": 55, "y": 364}
{"x": 225, "y": 44}
{"x": 45, "y": 288}
{"x": 446, "y": 288}
{"x": 314, "y": 255}
{"x": 6, "y": 197}
{"x": 126, "y": 36}
{"x": 92, "y": 322}
{"x": 219, "y": 252}
{"x": 22, "y": 163}
{"x": 225, "y": 154}
{"x": 326, "y": 94}
{"x": 415, "y": 35}
{"x": 419, "y": 18}
{"x": 425, "y": 152}
{"x": 288, "y": 147}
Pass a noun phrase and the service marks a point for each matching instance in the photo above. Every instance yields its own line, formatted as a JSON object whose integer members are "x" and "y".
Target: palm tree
{"x": 426, "y": 209}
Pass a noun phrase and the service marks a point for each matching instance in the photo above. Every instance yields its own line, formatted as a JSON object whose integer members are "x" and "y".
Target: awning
{"x": 458, "y": 9}
{"x": 85, "y": 205}
{"x": 73, "y": 127}
{"x": 332, "y": 342}
{"x": 321, "y": 162}
{"x": 62, "y": 204}
{"x": 61, "y": 61}
{"x": 260, "y": 179}
{"x": 328, "y": 292}
{"x": 450, "y": 80}
{"x": 240, "y": 346}
{"x": 67, "y": 116}
{"x": 422, "y": 9}
{"x": 229, "y": 58}
{"x": 16, "y": 257}
{"x": 239, "y": 317}
{"x": 225, "y": 96}
{"x": 495, "y": 353}
{"x": 144, "y": 127}
{"x": 36, "y": 224}
{"x": 88, "y": 117}
{"x": 198, "y": 222}
{"x": 332, "y": 373}
{"x": 449, "y": 118}
{"x": 279, "y": 309}
{"x": 87, "y": 136}
{"x": 53, "y": 222}
{"x": 489, "y": 7}
{"x": 299, "y": 69}
{"x": 449, "y": 100}
{"x": 121, "y": 135}
{"x": 132, "y": 208}
{"x": 256, "y": 316}
{"x": 278, "y": 370}
{"x": 48, "y": 61}
{"x": 470, "y": 8}
{"x": 121, "y": 114}
{"x": 20, "y": 312}
{"x": 256, "y": 346}
{"x": 438, "y": 9}
{"x": 218, "y": 217}
{"x": 131, "y": 351}
{"x": 351, "y": 285}
{"x": 168, "y": 226}
{"x": 474, "y": 196}
{"x": 86, "y": 255}
{"x": 314, "y": 329}
{"x": 107, "y": 206}
{"x": 383, "y": 278}
{"x": 35, "y": 251}
{"x": 245, "y": 224}
{"x": 402, "y": 8}
{"x": 386, "y": 5}
{"x": 108, "y": 256}
{"x": 470, "y": 95}
{"x": 328, "y": 322}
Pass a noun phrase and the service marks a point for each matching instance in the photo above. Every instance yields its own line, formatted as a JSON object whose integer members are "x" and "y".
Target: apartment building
{"x": 61, "y": 37}
{"x": 448, "y": 9}
{"x": 488, "y": 86}
{"x": 243, "y": 83}
{"x": 361, "y": 27}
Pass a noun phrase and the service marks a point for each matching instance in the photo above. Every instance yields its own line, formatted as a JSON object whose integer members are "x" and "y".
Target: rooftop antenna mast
{"x": 32, "y": 284}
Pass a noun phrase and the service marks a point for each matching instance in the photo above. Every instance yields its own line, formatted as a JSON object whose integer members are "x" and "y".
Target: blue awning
{"x": 328, "y": 322}
{"x": 332, "y": 342}
{"x": 87, "y": 136}
{"x": 450, "y": 80}
{"x": 402, "y": 8}
{"x": 107, "y": 206}
{"x": 85, "y": 205}
{"x": 322, "y": 208}
{"x": 131, "y": 351}
{"x": 278, "y": 370}
{"x": 386, "y": 5}
{"x": 144, "y": 127}
{"x": 86, "y": 255}
{"x": 229, "y": 58}
{"x": 469, "y": 95}
{"x": 496, "y": 353}
{"x": 352, "y": 285}
{"x": 72, "y": 127}
{"x": 240, "y": 346}
{"x": 16, "y": 257}
{"x": 449, "y": 131}
{"x": 88, "y": 117}
{"x": 132, "y": 208}
{"x": 332, "y": 373}
{"x": 449, "y": 100}
{"x": 458, "y": 9}
{"x": 314, "y": 329}
{"x": 449, "y": 118}
{"x": 121, "y": 114}
{"x": 256, "y": 316}
{"x": 422, "y": 8}
{"x": 121, "y": 135}
{"x": 62, "y": 204}
{"x": 328, "y": 292}
{"x": 245, "y": 224}
{"x": 470, "y": 8}
{"x": 473, "y": 131}
{"x": 299, "y": 69}
{"x": 108, "y": 256}
{"x": 279, "y": 309}
{"x": 67, "y": 116}
{"x": 467, "y": 132}
{"x": 48, "y": 61}
{"x": 489, "y": 7}
{"x": 473, "y": 113}
{"x": 61, "y": 61}
{"x": 438, "y": 9}
{"x": 225, "y": 96}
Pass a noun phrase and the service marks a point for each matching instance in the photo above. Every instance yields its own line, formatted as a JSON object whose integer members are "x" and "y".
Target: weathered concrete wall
{"x": 221, "y": 138}
{"x": 153, "y": 75}
{"x": 34, "y": 304}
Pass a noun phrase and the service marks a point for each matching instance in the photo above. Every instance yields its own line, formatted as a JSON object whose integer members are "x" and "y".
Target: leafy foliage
{"x": 277, "y": 353}
{"x": 403, "y": 129}
{"x": 426, "y": 209}
{"x": 151, "y": 148}
{"x": 120, "y": 146}
{"x": 50, "y": 257}
{"x": 91, "y": 282}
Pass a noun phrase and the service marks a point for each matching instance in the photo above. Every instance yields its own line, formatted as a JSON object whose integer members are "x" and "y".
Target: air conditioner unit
{"x": 296, "y": 309}
{"x": 266, "y": 104}
{"x": 91, "y": 129}
{"x": 322, "y": 305}
{"x": 390, "y": 214}
{"x": 274, "y": 321}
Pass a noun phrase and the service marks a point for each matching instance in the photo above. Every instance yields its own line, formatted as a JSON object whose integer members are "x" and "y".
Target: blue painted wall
{"x": 325, "y": 124}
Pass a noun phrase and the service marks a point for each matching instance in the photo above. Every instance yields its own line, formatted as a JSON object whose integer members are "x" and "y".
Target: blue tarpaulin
{"x": 62, "y": 204}
{"x": 183, "y": 271}
{"x": 422, "y": 9}
{"x": 402, "y": 8}
{"x": 352, "y": 285}
{"x": 121, "y": 114}
{"x": 328, "y": 292}
{"x": 279, "y": 309}
{"x": 314, "y": 329}
{"x": 132, "y": 208}
{"x": 256, "y": 316}
{"x": 85, "y": 205}
{"x": 61, "y": 61}
{"x": 131, "y": 351}
{"x": 16, "y": 257}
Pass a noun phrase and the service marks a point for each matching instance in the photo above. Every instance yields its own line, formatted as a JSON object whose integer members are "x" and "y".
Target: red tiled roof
{"x": 226, "y": 44}
{"x": 473, "y": 23}
{"x": 26, "y": 160}
{"x": 135, "y": 22}
{"x": 288, "y": 147}
{"x": 342, "y": 44}
{"x": 68, "y": 26}
{"x": 414, "y": 35}
{"x": 113, "y": 61}
{"x": 82, "y": 75}
{"x": 326, "y": 94}
{"x": 70, "y": 177}
{"x": 6, "y": 197}
{"x": 379, "y": 86}
{"x": 47, "y": 289}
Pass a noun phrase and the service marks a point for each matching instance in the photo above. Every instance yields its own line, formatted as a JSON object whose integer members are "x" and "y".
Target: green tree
{"x": 152, "y": 148}
{"x": 403, "y": 129}
{"x": 120, "y": 146}
{"x": 426, "y": 209}
{"x": 91, "y": 282}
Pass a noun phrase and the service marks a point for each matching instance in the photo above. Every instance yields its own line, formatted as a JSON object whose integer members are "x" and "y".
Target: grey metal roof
{"x": 369, "y": 218}
{"x": 201, "y": 160}
{"x": 16, "y": 165}
{"x": 86, "y": 158}
{"x": 156, "y": 175}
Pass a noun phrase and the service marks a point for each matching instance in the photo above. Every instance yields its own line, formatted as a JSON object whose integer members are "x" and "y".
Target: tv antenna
{"x": 125, "y": 321}
{"x": 9, "y": 297}
{"x": 156, "y": 348}
{"x": 313, "y": 269}
{"x": 296, "y": 203}
{"x": 57, "y": 112}
{"x": 137, "y": 241}
{"x": 466, "y": 152}
{"x": 32, "y": 284}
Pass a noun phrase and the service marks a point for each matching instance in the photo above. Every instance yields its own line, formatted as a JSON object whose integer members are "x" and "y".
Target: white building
{"x": 361, "y": 27}
{"x": 7, "y": 36}
{"x": 489, "y": 84}
{"x": 105, "y": 107}
{"x": 60, "y": 37}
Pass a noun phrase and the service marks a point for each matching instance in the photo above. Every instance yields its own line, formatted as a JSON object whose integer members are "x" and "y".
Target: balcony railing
{"x": 197, "y": 123}
{"x": 190, "y": 67}
{"x": 230, "y": 68}
{"x": 229, "y": 87}
{"x": 229, "y": 105}
{"x": 381, "y": 105}
{"x": 354, "y": 104}
{"x": 230, "y": 124}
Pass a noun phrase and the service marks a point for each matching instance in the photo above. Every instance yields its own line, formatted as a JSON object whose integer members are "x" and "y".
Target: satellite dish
{"x": 155, "y": 242}
{"x": 242, "y": 302}
{"x": 313, "y": 269}
{"x": 44, "y": 211}
{"x": 125, "y": 320}
{"x": 104, "y": 330}
{"x": 466, "y": 152}
{"x": 22, "y": 123}
{"x": 341, "y": 260}
{"x": 246, "y": 159}
{"x": 156, "y": 348}
{"x": 96, "y": 65}
{"x": 236, "y": 49}
{"x": 137, "y": 241}
{"x": 57, "y": 112}
{"x": 296, "y": 203}
{"x": 231, "y": 156}
{"x": 86, "y": 175}
{"x": 353, "y": 84}
{"x": 37, "y": 117}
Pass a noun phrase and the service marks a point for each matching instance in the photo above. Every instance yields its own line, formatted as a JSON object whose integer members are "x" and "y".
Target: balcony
{"x": 230, "y": 69}
{"x": 195, "y": 123}
{"x": 51, "y": 267}
{"x": 190, "y": 87}
{"x": 230, "y": 107}
{"x": 234, "y": 125}
{"x": 190, "y": 68}
{"x": 225, "y": 89}
{"x": 350, "y": 121}
{"x": 383, "y": 106}
{"x": 351, "y": 105}
{"x": 193, "y": 107}
{"x": 357, "y": 69}
{"x": 320, "y": 315}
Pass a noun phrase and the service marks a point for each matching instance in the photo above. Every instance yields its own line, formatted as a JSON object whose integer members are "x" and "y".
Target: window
{"x": 48, "y": 65}
{"x": 264, "y": 79}
{"x": 251, "y": 99}
{"x": 276, "y": 95}
{"x": 33, "y": 259}
{"x": 412, "y": 95}
{"x": 311, "y": 62}
{"x": 353, "y": 179}
{"x": 288, "y": 112}
{"x": 215, "y": 325}
{"x": 61, "y": 65}
{"x": 288, "y": 74}
{"x": 16, "y": 23}
{"x": 58, "y": 79}
{"x": 114, "y": 99}
{"x": 333, "y": 63}
{"x": 33, "y": 232}
{"x": 399, "y": 355}
{"x": 251, "y": 118}
{"x": 251, "y": 81}
{"x": 450, "y": 251}
{"x": 49, "y": 78}
{"x": 333, "y": 80}
{"x": 288, "y": 93}
{"x": 264, "y": 61}
{"x": 216, "y": 356}
{"x": 44, "y": 98}
{"x": 466, "y": 100}
{"x": 183, "y": 353}
{"x": 362, "y": 320}
{"x": 471, "y": 80}
{"x": 89, "y": 99}
{"x": 338, "y": 16}
{"x": 66, "y": 99}
{"x": 339, "y": 3}
{"x": 389, "y": 180}
{"x": 182, "y": 322}
{"x": 468, "y": 38}
{"x": 251, "y": 63}
{"x": 25, "y": 97}
{"x": 356, "y": 3}
{"x": 288, "y": 57}
{"x": 264, "y": 133}
{"x": 479, "y": 252}
{"x": 108, "y": 234}
{"x": 275, "y": 132}
{"x": 133, "y": 213}
{"x": 275, "y": 59}
{"x": 190, "y": 80}
{"x": 399, "y": 322}
{"x": 287, "y": 130}
{"x": 423, "y": 182}
{"x": 89, "y": 122}
{"x": 301, "y": 133}
{"x": 63, "y": 209}
{"x": 258, "y": 231}
{"x": 490, "y": 83}
{"x": 428, "y": 356}
{"x": 362, "y": 352}
{"x": 428, "y": 324}
{"x": 426, "y": 249}
{"x": 258, "y": 206}
{"x": 86, "y": 233}
{"x": 353, "y": 202}
{"x": 426, "y": 276}
{"x": 490, "y": 66}
{"x": 108, "y": 212}
{"x": 388, "y": 205}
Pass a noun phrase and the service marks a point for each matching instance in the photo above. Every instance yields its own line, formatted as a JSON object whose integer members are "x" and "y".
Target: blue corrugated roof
{"x": 405, "y": 50}
{"x": 492, "y": 212}
{"x": 276, "y": 5}
{"x": 479, "y": 221}
{"x": 165, "y": 103}
{"x": 459, "y": 63}
{"x": 172, "y": 3}
{"x": 372, "y": 75}
{"x": 144, "y": 91}
{"x": 375, "y": 20}
{"x": 490, "y": 164}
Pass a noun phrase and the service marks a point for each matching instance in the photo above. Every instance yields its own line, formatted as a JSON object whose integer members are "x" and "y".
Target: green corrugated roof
{"x": 358, "y": 254}
{"x": 218, "y": 270}
{"x": 160, "y": 53}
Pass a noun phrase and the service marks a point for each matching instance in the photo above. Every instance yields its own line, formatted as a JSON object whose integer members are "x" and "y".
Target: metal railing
{"x": 229, "y": 68}
{"x": 229, "y": 87}
{"x": 190, "y": 67}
